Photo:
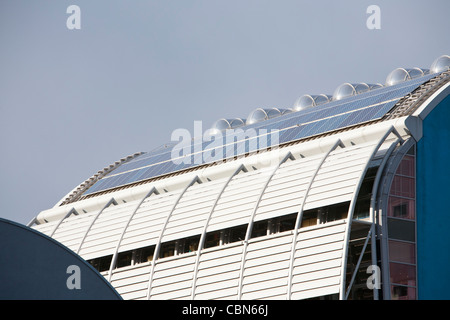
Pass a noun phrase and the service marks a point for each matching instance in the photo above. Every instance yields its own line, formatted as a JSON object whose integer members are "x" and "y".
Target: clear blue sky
{"x": 74, "y": 101}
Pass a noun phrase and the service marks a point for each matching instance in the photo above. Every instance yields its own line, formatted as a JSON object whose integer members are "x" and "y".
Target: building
{"x": 341, "y": 197}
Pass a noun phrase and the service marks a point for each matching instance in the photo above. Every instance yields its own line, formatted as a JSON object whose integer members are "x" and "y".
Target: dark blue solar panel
{"x": 334, "y": 115}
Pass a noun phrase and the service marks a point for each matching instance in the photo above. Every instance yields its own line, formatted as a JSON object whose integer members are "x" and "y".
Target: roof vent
{"x": 351, "y": 89}
{"x": 440, "y": 64}
{"x": 401, "y": 74}
{"x": 260, "y": 114}
{"x": 307, "y": 101}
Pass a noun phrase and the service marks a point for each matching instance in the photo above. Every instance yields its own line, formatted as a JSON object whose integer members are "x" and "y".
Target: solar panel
{"x": 367, "y": 106}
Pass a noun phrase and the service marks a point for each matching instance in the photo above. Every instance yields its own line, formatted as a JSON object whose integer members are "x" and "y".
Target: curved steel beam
{"x": 373, "y": 199}
{"x": 71, "y": 211}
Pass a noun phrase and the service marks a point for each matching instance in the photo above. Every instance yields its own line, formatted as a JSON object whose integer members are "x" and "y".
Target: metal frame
{"x": 158, "y": 243}
{"x": 300, "y": 215}
{"x": 203, "y": 235}
{"x": 116, "y": 250}
{"x": 388, "y": 177}
{"x": 111, "y": 201}
{"x": 251, "y": 222}
{"x": 342, "y": 293}
{"x": 373, "y": 206}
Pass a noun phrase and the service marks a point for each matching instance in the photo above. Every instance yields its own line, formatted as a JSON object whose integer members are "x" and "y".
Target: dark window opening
{"x": 309, "y": 218}
{"x": 212, "y": 239}
{"x": 124, "y": 259}
{"x": 144, "y": 254}
{"x": 237, "y": 234}
{"x": 102, "y": 263}
{"x": 362, "y": 207}
{"x": 167, "y": 249}
{"x": 401, "y": 229}
{"x": 285, "y": 223}
{"x": 188, "y": 245}
{"x": 259, "y": 229}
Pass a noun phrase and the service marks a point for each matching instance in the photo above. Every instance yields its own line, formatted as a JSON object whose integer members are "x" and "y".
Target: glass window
{"x": 404, "y": 274}
{"x": 401, "y": 208}
{"x": 406, "y": 167}
{"x": 402, "y": 251}
{"x": 403, "y": 187}
{"x": 403, "y": 293}
{"x": 401, "y": 229}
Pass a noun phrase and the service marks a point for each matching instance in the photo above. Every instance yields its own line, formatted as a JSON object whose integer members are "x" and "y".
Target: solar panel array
{"x": 364, "y": 107}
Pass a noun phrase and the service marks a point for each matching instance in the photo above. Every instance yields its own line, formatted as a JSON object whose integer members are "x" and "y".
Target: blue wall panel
{"x": 433, "y": 205}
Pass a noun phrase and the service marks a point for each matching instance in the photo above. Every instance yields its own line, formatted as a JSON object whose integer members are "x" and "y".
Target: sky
{"x": 73, "y": 101}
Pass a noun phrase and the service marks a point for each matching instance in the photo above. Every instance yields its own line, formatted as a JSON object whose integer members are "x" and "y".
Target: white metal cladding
{"x": 192, "y": 211}
{"x": 335, "y": 182}
{"x": 310, "y": 264}
{"x": 102, "y": 238}
{"x": 218, "y": 272}
{"x": 237, "y": 201}
{"x": 72, "y": 229}
{"x": 146, "y": 224}
{"x": 286, "y": 189}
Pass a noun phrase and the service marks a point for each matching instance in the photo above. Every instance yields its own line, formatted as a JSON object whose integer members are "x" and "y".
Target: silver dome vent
{"x": 307, "y": 101}
{"x": 224, "y": 124}
{"x": 440, "y": 64}
{"x": 401, "y": 74}
{"x": 260, "y": 114}
{"x": 351, "y": 89}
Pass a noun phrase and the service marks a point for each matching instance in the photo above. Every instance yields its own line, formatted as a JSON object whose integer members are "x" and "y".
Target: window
{"x": 401, "y": 208}
{"x": 401, "y": 227}
{"x": 124, "y": 259}
{"x": 212, "y": 239}
{"x": 188, "y": 245}
{"x": 309, "y": 218}
{"x": 144, "y": 254}
{"x": 260, "y": 228}
{"x": 237, "y": 234}
{"x": 102, "y": 263}
{"x": 167, "y": 249}
{"x": 402, "y": 251}
{"x": 285, "y": 223}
